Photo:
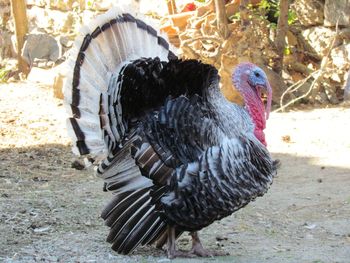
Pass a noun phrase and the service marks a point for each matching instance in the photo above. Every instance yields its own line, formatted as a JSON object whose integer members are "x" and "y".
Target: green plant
{"x": 287, "y": 51}
{"x": 292, "y": 17}
{"x": 90, "y": 3}
{"x": 3, "y": 74}
{"x": 236, "y": 16}
{"x": 271, "y": 10}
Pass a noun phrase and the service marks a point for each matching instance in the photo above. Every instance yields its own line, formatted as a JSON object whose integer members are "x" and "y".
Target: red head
{"x": 251, "y": 81}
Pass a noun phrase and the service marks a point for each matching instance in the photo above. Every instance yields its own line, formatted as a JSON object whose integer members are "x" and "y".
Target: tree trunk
{"x": 243, "y": 12}
{"x": 221, "y": 18}
{"x": 282, "y": 28}
{"x": 171, "y": 7}
{"x": 19, "y": 13}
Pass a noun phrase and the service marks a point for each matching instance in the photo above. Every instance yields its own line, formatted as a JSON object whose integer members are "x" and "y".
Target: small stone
{"x": 220, "y": 238}
{"x": 65, "y": 41}
{"x": 41, "y": 229}
{"x": 286, "y": 138}
{"x": 77, "y": 165}
{"x": 310, "y": 226}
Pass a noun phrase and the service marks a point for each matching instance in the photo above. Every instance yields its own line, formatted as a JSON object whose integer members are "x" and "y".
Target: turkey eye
{"x": 257, "y": 74}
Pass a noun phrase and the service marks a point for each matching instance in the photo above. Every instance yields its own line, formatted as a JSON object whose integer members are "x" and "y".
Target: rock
{"x": 321, "y": 98}
{"x": 77, "y": 165}
{"x": 37, "y": 18}
{"x": 65, "y": 41}
{"x": 102, "y": 5}
{"x": 64, "y": 5}
{"x": 341, "y": 57}
{"x": 53, "y": 22}
{"x": 39, "y": 3}
{"x": 5, "y": 7}
{"x": 334, "y": 10}
{"x": 329, "y": 89}
{"x": 319, "y": 38}
{"x": 303, "y": 89}
{"x": 67, "y": 23}
{"x": 309, "y": 12}
{"x": 7, "y": 49}
{"x": 40, "y": 46}
{"x": 43, "y": 63}
{"x": 291, "y": 38}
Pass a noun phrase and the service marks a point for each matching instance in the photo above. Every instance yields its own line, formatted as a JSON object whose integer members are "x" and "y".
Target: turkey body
{"x": 174, "y": 152}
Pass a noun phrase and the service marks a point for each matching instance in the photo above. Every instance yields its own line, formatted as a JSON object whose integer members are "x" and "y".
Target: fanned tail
{"x": 95, "y": 121}
{"x": 132, "y": 213}
{"x": 92, "y": 90}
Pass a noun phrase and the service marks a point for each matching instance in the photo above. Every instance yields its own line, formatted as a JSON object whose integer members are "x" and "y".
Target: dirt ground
{"x": 49, "y": 211}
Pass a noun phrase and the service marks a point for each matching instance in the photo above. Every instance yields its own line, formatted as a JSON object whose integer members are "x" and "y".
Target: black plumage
{"x": 175, "y": 153}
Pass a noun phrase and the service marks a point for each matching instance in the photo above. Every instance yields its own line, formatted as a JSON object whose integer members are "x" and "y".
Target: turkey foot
{"x": 200, "y": 251}
{"x": 172, "y": 252}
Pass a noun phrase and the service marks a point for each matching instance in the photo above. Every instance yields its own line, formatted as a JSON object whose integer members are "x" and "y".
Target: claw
{"x": 200, "y": 251}
{"x": 197, "y": 247}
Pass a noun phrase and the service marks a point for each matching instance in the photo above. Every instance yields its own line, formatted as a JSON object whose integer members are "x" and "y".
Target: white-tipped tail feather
{"x": 92, "y": 91}
{"x": 95, "y": 122}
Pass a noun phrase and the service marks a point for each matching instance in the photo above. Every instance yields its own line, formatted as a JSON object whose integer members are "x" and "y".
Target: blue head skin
{"x": 257, "y": 80}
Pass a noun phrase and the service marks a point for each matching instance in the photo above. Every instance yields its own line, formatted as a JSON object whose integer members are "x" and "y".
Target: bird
{"x": 174, "y": 152}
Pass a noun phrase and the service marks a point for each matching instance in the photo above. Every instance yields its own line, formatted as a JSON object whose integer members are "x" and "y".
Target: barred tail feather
{"x": 93, "y": 101}
{"x": 92, "y": 90}
{"x": 132, "y": 213}
{"x": 133, "y": 220}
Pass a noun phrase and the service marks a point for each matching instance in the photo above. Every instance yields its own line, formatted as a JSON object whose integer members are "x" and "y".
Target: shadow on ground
{"x": 50, "y": 212}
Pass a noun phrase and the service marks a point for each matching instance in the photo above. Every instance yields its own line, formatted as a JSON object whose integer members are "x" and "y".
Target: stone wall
{"x": 53, "y": 24}
{"x": 318, "y": 19}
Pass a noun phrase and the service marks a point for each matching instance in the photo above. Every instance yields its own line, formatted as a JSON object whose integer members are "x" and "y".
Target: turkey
{"x": 176, "y": 155}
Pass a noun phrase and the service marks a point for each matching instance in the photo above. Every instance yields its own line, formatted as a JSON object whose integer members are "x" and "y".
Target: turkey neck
{"x": 232, "y": 118}
{"x": 256, "y": 109}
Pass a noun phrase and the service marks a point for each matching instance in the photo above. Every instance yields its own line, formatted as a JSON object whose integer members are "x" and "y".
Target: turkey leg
{"x": 172, "y": 252}
{"x": 200, "y": 251}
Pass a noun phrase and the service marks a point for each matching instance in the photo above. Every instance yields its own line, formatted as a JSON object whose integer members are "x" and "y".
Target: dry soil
{"x": 49, "y": 211}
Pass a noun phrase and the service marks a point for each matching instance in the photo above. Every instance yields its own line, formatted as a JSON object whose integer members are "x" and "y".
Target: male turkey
{"x": 175, "y": 153}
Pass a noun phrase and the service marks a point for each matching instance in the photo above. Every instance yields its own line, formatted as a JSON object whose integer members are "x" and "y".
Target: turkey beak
{"x": 266, "y": 88}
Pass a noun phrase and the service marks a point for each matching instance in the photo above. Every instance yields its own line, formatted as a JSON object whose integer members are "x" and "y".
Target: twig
{"x": 188, "y": 41}
{"x": 295, "y": 87}
{"x": 317, "y": 74}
